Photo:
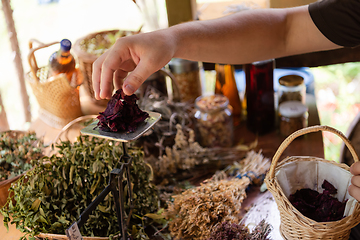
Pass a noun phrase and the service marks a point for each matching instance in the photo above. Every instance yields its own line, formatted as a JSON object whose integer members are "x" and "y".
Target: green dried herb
{"x": 17, "y": 149}
{"x": 60, "y": 187}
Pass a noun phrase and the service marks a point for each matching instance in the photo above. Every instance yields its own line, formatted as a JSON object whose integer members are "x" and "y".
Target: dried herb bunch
{"x": 216, "y": 201}
{"x": 205, "y": 207}
{"x": 54, "y": 194}
{"x": 227, "y": 231}
{"x": 186, "y": 153}
{"x": 17, "y": 149}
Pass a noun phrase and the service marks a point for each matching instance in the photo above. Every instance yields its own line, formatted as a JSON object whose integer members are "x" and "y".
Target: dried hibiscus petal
{"x": 122, "y": 114}
{"x": 321, "y": 207}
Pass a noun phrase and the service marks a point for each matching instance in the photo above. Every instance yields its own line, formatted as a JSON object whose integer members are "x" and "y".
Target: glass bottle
{"x": 214, "y": 122}
{"x": 260, "y": 100}
{"x": 226, "y": 85}
{"x": 291, "y": 88}
{"x": 62, "y": 61}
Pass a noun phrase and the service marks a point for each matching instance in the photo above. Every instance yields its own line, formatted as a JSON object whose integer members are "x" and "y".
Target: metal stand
{"x": 73, "y": 232}
{"x": 116, "y": 187}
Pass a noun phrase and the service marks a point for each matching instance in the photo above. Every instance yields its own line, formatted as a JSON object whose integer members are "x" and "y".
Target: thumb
{"x": 136, "y": 78}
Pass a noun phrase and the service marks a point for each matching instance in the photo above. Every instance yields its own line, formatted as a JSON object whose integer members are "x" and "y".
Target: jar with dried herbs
{"x": 187, "y": 78}
{"x": 293, "y": 117}
{"x": 291, "y": 88}
{"x": 214, "y": 121}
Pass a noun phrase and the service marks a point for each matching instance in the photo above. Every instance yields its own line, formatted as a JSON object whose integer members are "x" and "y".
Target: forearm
{"x": 249, "y": 36}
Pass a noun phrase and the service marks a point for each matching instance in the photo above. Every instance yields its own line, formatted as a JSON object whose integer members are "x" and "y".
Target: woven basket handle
{"x": 304, "y": 131}
{"x": 31, "y": 56}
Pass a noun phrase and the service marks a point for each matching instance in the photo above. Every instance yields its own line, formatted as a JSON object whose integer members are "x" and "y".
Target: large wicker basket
{"x": 58, "y": 99}
{"x": 295, "y": 225}
{"x": 86, "y": 59}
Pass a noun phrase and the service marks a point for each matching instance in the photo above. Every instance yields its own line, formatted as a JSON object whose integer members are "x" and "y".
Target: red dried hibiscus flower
{"x": 121, "y": 114}
{"x": 321, "y": 207}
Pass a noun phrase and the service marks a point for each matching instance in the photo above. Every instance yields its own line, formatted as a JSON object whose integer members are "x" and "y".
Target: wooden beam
{"x": 322, "y": 58}
{"x": 6, "y": 7}
{"x": 179, "y": 11}
{"x": 4, "y": 124}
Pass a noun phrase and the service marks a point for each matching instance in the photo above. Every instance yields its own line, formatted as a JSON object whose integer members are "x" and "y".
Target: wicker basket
{"x": 86, "y": 60}
{"x": 295, "y": 225}
{"x": 58, "y": 98}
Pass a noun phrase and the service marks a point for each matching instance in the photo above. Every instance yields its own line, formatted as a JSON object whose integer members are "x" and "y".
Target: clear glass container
{"x": 291, "y": 88}
{"x": 187, "y": 76}
{"x": 293, "y": 116}
{"x": 214, "y": 121}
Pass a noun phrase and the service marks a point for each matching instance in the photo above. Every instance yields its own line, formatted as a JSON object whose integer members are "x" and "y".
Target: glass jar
{"x": 293, "y": 117}
{"x": 187, "y": 76}
{"x": 291, "y": 88}
{"x": 214, "y": 121}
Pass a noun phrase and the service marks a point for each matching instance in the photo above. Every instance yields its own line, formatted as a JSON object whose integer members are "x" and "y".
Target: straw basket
{"x": 58, "y": 98}
{"x": 86, "y": 59}
{"x": 294, "y": 225}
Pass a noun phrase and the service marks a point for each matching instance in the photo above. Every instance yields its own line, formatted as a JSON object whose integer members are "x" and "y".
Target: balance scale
{"x": 115, "y": 185}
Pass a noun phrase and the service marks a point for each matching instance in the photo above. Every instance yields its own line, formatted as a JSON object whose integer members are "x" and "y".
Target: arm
{"x": 240, "y": 38}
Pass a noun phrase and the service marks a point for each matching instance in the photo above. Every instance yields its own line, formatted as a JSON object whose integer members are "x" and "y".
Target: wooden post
{"x": 6, "y": 7}
{"x": 179, "y": 11}
{"x": 4, "y": 124}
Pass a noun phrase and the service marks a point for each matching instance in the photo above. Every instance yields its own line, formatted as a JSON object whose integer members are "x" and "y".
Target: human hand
{"x": 140, "y": 55}
{"x": 354, "y": 188}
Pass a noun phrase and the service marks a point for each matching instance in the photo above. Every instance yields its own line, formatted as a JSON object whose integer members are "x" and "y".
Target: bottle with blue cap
{"x": 62, "y": 61}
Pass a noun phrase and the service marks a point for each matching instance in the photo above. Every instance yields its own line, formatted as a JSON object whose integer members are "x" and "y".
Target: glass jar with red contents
{"x": 260, "y": 101}
{"x": 214, "y": 121}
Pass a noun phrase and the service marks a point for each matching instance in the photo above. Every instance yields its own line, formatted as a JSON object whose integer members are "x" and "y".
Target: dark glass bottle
{"x": 260, "y": 96}
{"x": 226, "y": 85}
{"x": 62, "y": 61}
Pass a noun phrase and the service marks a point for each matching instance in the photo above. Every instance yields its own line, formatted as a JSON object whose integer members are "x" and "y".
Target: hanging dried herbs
{"x": 17, "y": 149}
{"x": 54, "y": 194}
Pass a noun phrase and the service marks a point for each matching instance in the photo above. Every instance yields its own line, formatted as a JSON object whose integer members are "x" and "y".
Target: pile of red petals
{"x": 321, "y": 207}
{"x": 122, "y": 114}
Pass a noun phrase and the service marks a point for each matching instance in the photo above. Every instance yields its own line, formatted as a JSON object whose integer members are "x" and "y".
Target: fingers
{"x": 136, "y": 78}
{"x": 119, "y": 77}
{"x": 355, "y": 168}
{"x": 354, "y": 188}
{"x": 354, "y": 192}
{"x": 96, "y": 75}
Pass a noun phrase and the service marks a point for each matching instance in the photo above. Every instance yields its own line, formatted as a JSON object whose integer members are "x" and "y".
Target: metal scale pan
{"x": 92, "y": 130}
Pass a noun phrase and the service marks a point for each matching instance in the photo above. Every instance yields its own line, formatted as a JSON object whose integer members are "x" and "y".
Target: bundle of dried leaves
{"x": 54, "y": 194}
{"x": 17, "y": 149}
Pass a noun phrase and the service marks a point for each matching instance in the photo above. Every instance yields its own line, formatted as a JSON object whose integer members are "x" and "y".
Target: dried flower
{"x": 320, "y": 207}
{"x": 121, "y": 114}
